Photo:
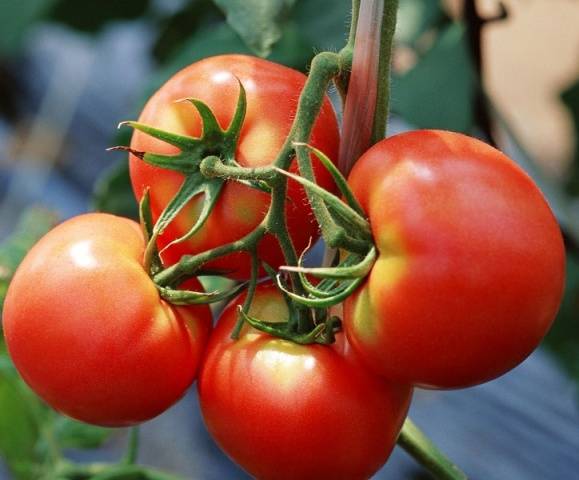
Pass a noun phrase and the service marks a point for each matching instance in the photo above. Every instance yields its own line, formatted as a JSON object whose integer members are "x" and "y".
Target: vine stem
{"x": 133, "y": 447}
{"x": 367, "y": 99}
{"x": 425, "y": 452}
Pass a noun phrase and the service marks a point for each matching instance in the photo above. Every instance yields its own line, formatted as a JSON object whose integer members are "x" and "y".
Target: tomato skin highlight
{"x": 288, "y": 411}
{"x": 471, "y": 264}
{"x": 87, "y": 330}
{"x": 272, "y": 94}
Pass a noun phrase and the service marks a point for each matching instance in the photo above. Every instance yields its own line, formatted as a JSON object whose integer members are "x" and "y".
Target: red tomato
{"x": 288, "y": 411}
{"x": 272, "y": 94}
{"x": 470, "y": 271}
{"x": 88, "y": 332}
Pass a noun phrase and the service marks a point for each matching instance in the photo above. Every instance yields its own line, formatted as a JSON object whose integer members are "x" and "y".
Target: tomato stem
{"x": 384, "y": 67}
{"x": 132, "y": 447}
{"x": 346, "y": 54}
{"x": 367, "y": 101}
{"x": 249, "y": 295}
{"x": 425, "y": 452}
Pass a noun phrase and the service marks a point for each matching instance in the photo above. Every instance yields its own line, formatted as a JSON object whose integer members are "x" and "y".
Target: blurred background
{"x": 507, "y": 72}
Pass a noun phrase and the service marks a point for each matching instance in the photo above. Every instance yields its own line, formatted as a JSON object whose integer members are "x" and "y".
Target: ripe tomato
{"x": 272, "y": 94}
{"x": 288, "y": 411}
{"x": 470, "y": 270}
{"x": 88, "y": 332}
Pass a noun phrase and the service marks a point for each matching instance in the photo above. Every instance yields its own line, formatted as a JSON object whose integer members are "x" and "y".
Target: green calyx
{"x": 207, "y": 162}
{"x": 323, "y": 331}
{"x": 214, "y": 142}
{"x": 337, "y": 284}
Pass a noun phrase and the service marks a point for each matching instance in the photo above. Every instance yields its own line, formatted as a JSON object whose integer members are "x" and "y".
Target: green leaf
{"x": 415, "y": 17}
{"x": 570, "y": 99}
{"x": 322, "y": 24}
{"x": 563, "y": 338}
{"x": 73, "y": 434}
{"x": 176, "y": 29}
{"x": 34, "y": 223}
{"x": 19, "y": 429}
{"x": 438, "y": 92}
{"x": 92, "y": 16}
{"x": 193, "y": 34}
{"x": 18, "y": 15}
{"x": 211, "y": 40}
{"x": 113, "y": 192}
{"x": 258, "y": 22}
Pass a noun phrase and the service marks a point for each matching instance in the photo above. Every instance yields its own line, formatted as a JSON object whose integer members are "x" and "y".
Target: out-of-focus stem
{"x": 421, "y": 448}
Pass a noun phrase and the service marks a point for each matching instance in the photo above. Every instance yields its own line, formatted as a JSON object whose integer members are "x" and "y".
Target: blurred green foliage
{"x": 16, "y": 18}
{"x": 113, "y": 193}
{"x": 258, "y": 23}
{"x": 563, "y": 338}
{"x": 570, "y": 98}
{"x": 415, "y": 17}
{"x": 34, "y": 223}
{"x": 438, "y": 91}
{"x": 91, "y": 16}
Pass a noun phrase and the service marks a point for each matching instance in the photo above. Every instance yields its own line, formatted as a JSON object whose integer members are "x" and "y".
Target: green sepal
{"x": 338, "y": 295}
{"x": 234, "y": 129}
{"x": 272, "y": 274}
{"x": 190, "y": 297}
{"x": 339, "y": 179}
{"x": 348, "y": 218}
{"x": 211, "y": 128}
{"x": 308, "y": 286}
{"x": 322, "y": 333}
{"x": 182, "y": 142}
{"x": 213, "y": 142}
{"x": 341, "y": 271}
{"x": 152, "y": 260}
{"x": 191, "y": 188}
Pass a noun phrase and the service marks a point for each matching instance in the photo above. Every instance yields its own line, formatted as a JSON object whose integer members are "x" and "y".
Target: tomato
{"x": 87, "y": 330}
{"x": 272, "y": 94}
{"x": 288, "y": 411}
{"x": 470, "y": 271}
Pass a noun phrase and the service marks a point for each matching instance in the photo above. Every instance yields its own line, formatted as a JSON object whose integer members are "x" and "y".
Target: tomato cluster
{"x": 468, "y": 279}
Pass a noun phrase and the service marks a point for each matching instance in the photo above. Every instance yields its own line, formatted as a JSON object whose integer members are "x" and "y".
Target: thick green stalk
{"x": 421, "y": 448}
{"x": 384, "y": 67}
{"x": 132, "y": 447}
{"x": 347, "y": 53}
{"x": 366, "y": 103}
{"x": 325, "y": 66}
